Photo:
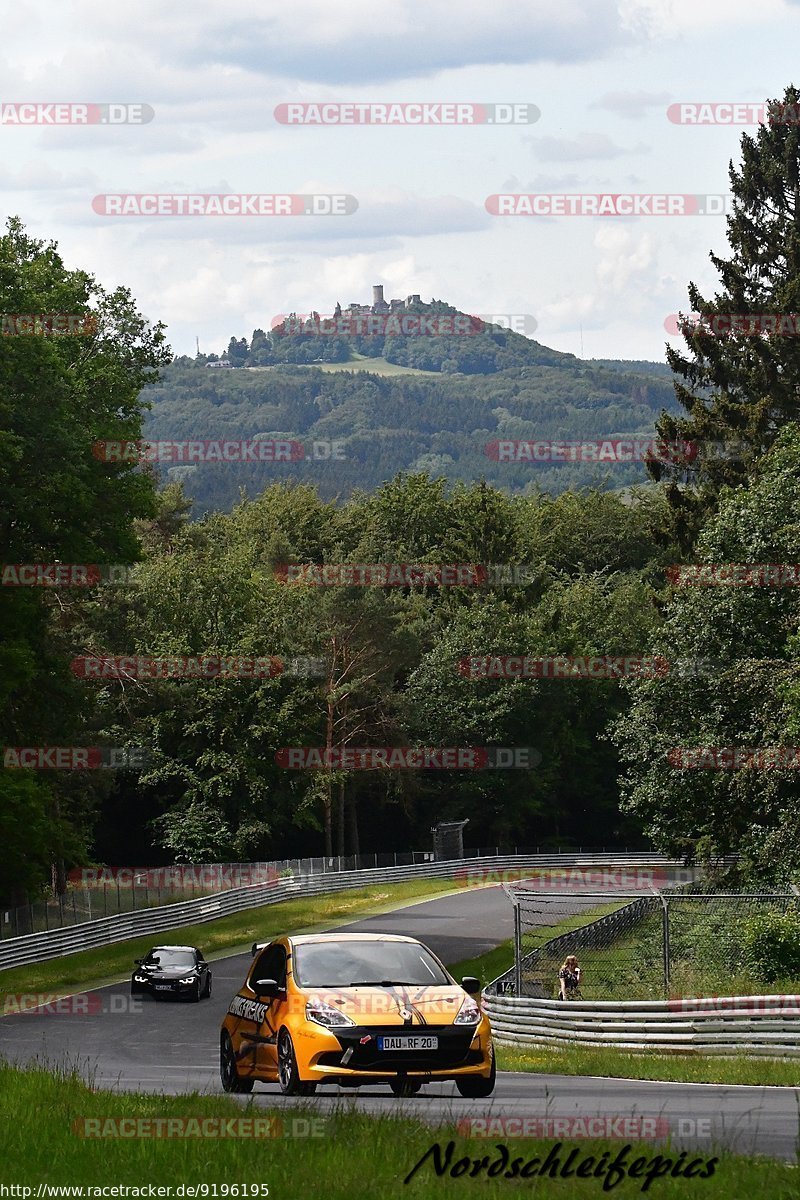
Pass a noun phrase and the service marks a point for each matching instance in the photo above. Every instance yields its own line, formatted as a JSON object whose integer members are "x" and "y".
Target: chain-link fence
{"x": 670, "y": 943}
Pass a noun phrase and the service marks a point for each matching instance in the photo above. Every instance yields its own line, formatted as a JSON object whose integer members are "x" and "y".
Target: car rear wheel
{"x": 405, "y": 1087}
{"x": 288, "y": 1074}
{"x": 231, "y": 1079}
{"x": 474, "y": 1087}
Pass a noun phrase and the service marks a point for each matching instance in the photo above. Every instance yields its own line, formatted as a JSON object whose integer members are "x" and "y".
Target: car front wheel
{"x": 231, "y": 1079}
{"x": 474, "y": 1087}
{"x": 288, "y": 1074}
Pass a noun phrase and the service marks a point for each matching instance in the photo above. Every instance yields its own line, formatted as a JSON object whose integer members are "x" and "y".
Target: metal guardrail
{"x": 37, "y": 947}
{"x": 764, "y": 1026}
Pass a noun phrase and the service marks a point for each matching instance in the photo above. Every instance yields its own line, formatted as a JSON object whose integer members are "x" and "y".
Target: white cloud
{"x": 634, "y": 105}
{"x": 581, "y": 148}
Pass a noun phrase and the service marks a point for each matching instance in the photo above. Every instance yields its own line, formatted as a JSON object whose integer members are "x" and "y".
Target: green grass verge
{"x": 228, "y": 935}
{"x": 617, "y": 1064}
{"x": 357, "y": 1155}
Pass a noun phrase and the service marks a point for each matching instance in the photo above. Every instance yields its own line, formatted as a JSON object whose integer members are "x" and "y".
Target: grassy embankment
{"x": 354, "y": 1154}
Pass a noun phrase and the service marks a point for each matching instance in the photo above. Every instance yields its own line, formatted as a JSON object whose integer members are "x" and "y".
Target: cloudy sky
{"x": 602, "y": 73}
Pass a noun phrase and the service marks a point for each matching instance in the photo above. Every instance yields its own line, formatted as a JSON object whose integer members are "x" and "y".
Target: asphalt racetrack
{"x": 139, "y": 1044}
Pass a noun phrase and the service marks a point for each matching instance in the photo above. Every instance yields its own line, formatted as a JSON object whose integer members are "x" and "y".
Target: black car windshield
{"x": 346, "y": 964}
{"x": 170, "y": 959}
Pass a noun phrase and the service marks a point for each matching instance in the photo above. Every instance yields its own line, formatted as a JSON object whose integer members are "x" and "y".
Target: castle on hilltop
{"x": 379, "y": 305}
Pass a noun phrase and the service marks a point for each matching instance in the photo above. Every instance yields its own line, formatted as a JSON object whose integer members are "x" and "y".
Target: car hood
{"x": 166, "y": 976}
{"x": 401, "y": 1005}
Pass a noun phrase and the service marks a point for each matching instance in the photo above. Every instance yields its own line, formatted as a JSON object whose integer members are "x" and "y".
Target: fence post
{"x": 664, "y": 938}
{"x": 517, "y": 948}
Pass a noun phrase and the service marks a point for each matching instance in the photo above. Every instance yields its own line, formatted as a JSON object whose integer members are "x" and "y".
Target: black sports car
{"x": 172, "y": 970}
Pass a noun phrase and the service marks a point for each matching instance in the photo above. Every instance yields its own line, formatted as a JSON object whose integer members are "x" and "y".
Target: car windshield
{"x": 346, "y": 964}
{"x": 170, "y": 959}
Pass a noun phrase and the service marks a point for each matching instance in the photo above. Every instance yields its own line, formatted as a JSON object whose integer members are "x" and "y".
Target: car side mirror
{"x": 137, "y": 962}
{"x": 266, "y": 988}
{"x": 471, "y": 985}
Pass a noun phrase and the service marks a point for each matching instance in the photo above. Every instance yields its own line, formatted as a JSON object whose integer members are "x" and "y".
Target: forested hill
{"x": 386, "y": 415}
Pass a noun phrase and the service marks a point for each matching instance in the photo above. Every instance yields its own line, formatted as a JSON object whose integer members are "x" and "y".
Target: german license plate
{"x": 408, "y": 1043}
{"x": 163, "y": 987}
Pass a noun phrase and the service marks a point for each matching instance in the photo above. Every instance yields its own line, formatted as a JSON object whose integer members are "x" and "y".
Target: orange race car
{"x": 354, "y": 1008}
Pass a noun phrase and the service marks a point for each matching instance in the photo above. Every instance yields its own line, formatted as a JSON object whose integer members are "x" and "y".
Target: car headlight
{"x": 326, "y": 1014}
{"x": 188, "y": 979}
{"x": 469, "y": 1013}
{"x": 141, "y": 979}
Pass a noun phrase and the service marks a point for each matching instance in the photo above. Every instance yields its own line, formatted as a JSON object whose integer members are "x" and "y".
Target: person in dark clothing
{"x": 569, "y": 979}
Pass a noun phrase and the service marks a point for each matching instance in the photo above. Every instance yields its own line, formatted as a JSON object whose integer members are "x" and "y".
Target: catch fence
{"x": 669, "y": 943}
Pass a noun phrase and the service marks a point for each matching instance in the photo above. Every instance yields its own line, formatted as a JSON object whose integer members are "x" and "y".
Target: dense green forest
{"x": 614, "y": 760}
{"x": 441, "y": 425}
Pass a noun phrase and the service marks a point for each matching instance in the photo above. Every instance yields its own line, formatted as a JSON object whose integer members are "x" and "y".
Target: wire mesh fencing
{"x": 669, "y": 944}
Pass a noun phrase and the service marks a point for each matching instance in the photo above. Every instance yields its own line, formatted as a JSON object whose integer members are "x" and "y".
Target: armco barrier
{"x": 36, "y": 947}
{"x": 766, "y": 1026}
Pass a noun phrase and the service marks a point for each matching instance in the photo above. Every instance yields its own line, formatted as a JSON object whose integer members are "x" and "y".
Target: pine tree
{"x": 740, "y": 387}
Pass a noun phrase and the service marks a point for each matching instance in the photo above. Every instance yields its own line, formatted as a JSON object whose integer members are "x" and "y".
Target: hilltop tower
{"x": 378, "y": 302}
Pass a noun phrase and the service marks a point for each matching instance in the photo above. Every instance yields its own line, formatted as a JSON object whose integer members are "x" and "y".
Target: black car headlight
{"x": 141, "y": 979}
{"x": 188, "y": 979}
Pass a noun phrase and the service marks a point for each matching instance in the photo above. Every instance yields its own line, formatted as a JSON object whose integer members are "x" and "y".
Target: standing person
{"x": 569, "y": 978}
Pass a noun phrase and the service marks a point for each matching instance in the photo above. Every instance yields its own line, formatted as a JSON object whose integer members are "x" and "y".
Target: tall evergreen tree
{"x": 740, "y": 387}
